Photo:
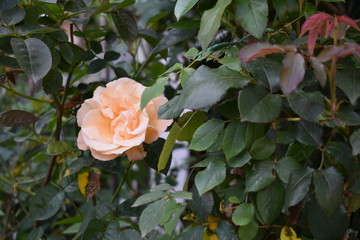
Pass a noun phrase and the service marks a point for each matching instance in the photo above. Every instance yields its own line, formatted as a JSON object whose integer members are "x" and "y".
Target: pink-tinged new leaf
{"x": 292, "y": 72}
{"x": 326, "y": 28}
{"x": 336, "y": 51}
{"x": 314, "y": 21}
{"x": 348, "y": 21}
{"x": 313, "y": 34}
{"x": 319, "y": 71}
{"x": 258, "y": 49}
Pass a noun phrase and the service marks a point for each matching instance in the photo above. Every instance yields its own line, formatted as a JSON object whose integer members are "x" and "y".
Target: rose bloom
{"x": 112, "y": 122}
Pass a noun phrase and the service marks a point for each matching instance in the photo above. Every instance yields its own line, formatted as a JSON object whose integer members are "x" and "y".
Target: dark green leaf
{"x": 202, "y": 205}
{"x": 170, "y": 109}
{"x": 186, "y": 24}
{"x": 4, "y": 32}
{"x": 12, "y": 16}
{"x": 252, "y": 15}
{"x": 7, "y": 4}
{"x": 270, "y": 201}
{"x": 152, "y": 215}
{"x": 253, "y": 132}
{"x": 299, "y": 151}
{"x": 308, "y": 105}
{"x": 96, "y": 46}
{"x": 33, "y": 56}
{"x": 355, "y": 142}
{"x": 228, "y": 109}
{"x": 342, "y": 153}
{"x": 125, "y": 3}
{"x": 257, "y": 105}
{"x": 66, "y": 52}
{"x": 129, "y": 234}
{"x": 57, "y": 148}
{"x": 262, "y": 148}
{"x": 266, "y": 71}
{"x": 292, "y": 72}
{"x": 239, "y": 160}
{"x": 26, "y": 29}
{"x": 183, "y": 6}
{"x": 260, "y": 177}
{"x": 126, "y": 25}
{"x": 234, "y": 139}
{"x": 192, "y": 121}
{"x": 225, "y": 230}
{"x": 348, "y": 81}
{"x": 207, "y": 86}
{"x": 74, "y": 5}
{"x": 9, "y": 62}
{"x": 348, "y": 116}
{"x": 16, "y": 118}
{"x": 194, "y": 233}
{"x": 286, "y": 166}
{"x": 248, "y": 231}
{"x": 286, "y": 10}
{"x": 217, "y": 171}
{"x": 324, "y": 228}
{"x": 328, "y": 189}
{"x": 210, "y": 22}
{"x": 153, "y": 151}
{"x": 101, "y": 229}
{"x": 46, "y": 202}
{"x": 87, "y": 55}
{"x": 96, "y": 66}
{"x": 206, "y": 134}
{"x": 35, "y": 234}
{"x": 111, "y": 56}
{"x": 309, "y": 133}
{"x": 52, "y": 82}
{"x": 172, "y": 223}
{"x": 297, "y": 187}
{"x": 243, "y": 214}
{"x": 152, "y": 92}
{"x": 149, "y": 197}
{"x": 165, "y": 155}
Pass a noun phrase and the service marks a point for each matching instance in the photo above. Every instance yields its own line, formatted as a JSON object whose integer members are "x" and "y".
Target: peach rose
{"x": 112, "y": 122}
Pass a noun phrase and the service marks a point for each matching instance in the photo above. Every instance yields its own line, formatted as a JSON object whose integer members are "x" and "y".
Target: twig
{"x": 131, "y": 163}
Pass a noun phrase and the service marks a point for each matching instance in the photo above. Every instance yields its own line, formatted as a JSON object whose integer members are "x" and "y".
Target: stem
{"x": 60, "y": 112}
{"x": 131, "y": 163}
{"x": 332, "y": 83}
{"x": 17, "y": 187}
{"x": 10, "y": 89}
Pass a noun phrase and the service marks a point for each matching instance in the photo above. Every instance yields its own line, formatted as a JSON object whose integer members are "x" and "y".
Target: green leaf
{"x": 297, "y": 187}
{"x": 299, "y": 151}
{"x": 232, "y": 63}
{"x": 152, "y": 157}
{"x": 46, "y": 202}
{"x": 328, "y": 189}
{"x": 33, "y": 56}
{"x": 286, "y": 166}
{"x": 239, "y": 160}
{"x": 12, "y": 16}
{"x": 234, "y": 139}
{"x": 57, "y": 148}
{"x": 307, "y": 105}
{"x": 168, "y": 146}
{"x": 243, "y": 214}
{"x": 152, "y": 215}
{"x": 327, "y": 228}
{"x": 286, "y": 10}
{"x": 292, "y": 72}
{"x": 202, "y": 205}
{"x": 171, "y": 207}
{"x": 161, "y": 187}
{"x": 123, "y": 4}
{"x": 35, "y": 234}
{"x": 4, "y": 32}
{"x": 206, "y": 134}
{"x": 348, "y": 82}
{"x": 270, "y": 201}
{"x": 266, "y": 71}
{"x": 206, "y": 86}
{"x": 248, "y": 232}
{"x": 129, "y": 234}
{"x": 225, "y": 230}
{"x": 27, "y": 29}
{"x": 171, "y": 224}
{"x": 126, "y": 25}
{"x": 170, "y": 109}
{"x": 355, "y": 142}
{"x": 217, "y": 171}
{"x": 7, "y": 4}
{"x": 182, "y": 195}
{"x": 210, "y": 22}
{"x": 16, "y": 118}
{"x": 52, "y": 82}
{"x": 262, "y": 148}
{"x": 309, "y": 133}
{"x": 185, "y": 75}
{"x": 253, "y": 132}
{"x": 154, "y": 91}
{"x": 101, "y": 229}
{"x": 66, "y": 52}
{"x": 183, "y": 6}
{"x": 194, "y": 233}
{"x": 96, "y": 66}
{"x": 252, "y": 15}
{"x": 74, "y": 5}
{"x": 149, "y": 197}
{"x": 260, "y": 177}
{"x": 257, "y": 105}
{"x": 342, "y": 154}
{"x": 193, "y": 121}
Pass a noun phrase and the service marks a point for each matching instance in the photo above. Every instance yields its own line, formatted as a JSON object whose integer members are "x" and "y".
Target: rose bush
{"x": 112, "y": 122}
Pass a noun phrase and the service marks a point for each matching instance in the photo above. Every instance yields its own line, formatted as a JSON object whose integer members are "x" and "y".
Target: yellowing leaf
{"x": 213, "y": 222}
{"x": 209, "y": 235}
{"x": 83, "y": 181}
{"x": 287, "y": 233}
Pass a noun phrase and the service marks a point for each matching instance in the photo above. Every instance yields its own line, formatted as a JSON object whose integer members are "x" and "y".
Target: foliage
{"x": 270, "y": 91}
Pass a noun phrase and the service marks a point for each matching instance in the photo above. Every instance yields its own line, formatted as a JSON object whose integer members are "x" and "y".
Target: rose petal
{"x": 136, "y": 153}
{"x": 81, "y": 143}
{"x": 103, "y": 156}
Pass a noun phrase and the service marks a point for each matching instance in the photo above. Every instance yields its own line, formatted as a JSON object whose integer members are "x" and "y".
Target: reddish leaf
{"x": 93, "y": 185}
{"x": 313, "y": 34}
{"x": 16, "y": 118}
{"x": 326, "y": 28}
{"x": 336, "y": 51}
{"x": 348, "y": 21}
{"x": 314, "y": 21}
{"x": 319, "y": 71}
{"x": 292, "y": 72}
{"x": 258, "y": 49}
